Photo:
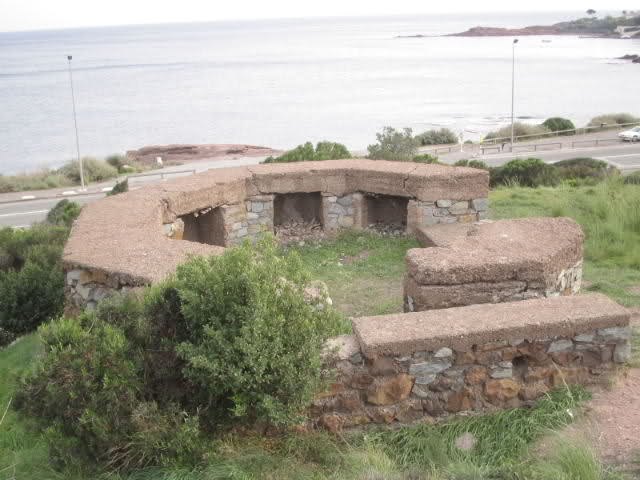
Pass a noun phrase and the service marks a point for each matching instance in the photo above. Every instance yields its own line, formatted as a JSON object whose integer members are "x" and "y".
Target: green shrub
{"x": 64, "y": 213}
{"x": 583, "y": 170}
{"x": 519, "y": 130}
{"x": 6, "y": 337}
{"x": 444, "y": 136}
{"x": 119, "y": 187}
{"x": 472, "y": 164}
{"x": 117, "y": 161}
{"x": 94, "y": 170}
{"x": 632, "y": 179}
{"x": 306, "y": 153}
{"x": 394, "y": 145}
{"x": 531, "y": 172}
{"x": 612, "y": 119}
{"x": 426, "y": 158}
{"x": 229, "y": 339}
{"x": 31, "y": 277}
{"x": 559, "y": 124}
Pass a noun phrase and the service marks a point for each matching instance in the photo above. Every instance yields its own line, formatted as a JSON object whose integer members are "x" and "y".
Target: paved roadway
{"x": 22, "y": 213}
{"x": 15, "y": 212}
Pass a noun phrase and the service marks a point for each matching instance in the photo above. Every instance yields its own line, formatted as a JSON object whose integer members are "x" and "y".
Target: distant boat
{"x": 544, "y": 40}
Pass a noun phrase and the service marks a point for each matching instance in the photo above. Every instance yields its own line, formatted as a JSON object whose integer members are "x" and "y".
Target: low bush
{"x": 228, "y": 340}
{"x": 94, "y": 170}
{"x": 472, "y": 164}
{"x": 559, "y": 124}
{"x": 117, "y": 161}
{"x": 33, "y": 181}
{"x": 394, "y": 145}
{"x": 444, "y": 136}
{"x": 530, "y": 172}
{"x": 306, "y": 153}
{"x": 519, "y": 129}
{"x": 119, "y": 187}
{"x": 612, "y": 119}
{"x": 426, "y": 158}
{"x": 584, "y": 171}
{"x": 31, "y": 277}
{"x": 64, "y": 213}
{"x": 632, "y": 179}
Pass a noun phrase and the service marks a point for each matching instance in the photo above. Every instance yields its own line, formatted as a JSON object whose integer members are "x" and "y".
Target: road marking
{"x": 70, "y": 192}
{"x": 35, "y": 212}
{"x": 27, "y": 197}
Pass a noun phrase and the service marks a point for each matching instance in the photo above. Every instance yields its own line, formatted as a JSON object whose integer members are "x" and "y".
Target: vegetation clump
{"x": 519, "y": 130}
{"x": 394, "y": 145}
{"x": 559, "y": 124}
{"x": 68, "y": 175}
{"x": 31, "y": 277}
{"x": 63, "y": 213}
{"x": 119, "y": 187}
{"x": 472, "y": 164}
{"x": 444, "y": 136}
{"x": 306, "y": 153}
{"x": 609, "y": 120}
{"x": 427, "y": 158}
{"x": 530, "y": 172}
{"x": 228, "y": 340}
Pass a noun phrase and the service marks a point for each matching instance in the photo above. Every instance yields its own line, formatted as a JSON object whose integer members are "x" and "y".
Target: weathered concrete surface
{"x": 529, "y": 250}
{"x": 124, "y": 237}
{"x": 463, "y": 327}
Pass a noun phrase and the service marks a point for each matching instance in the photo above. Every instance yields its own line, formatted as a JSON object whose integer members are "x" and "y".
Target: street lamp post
{"x": 513, "y": 88}
{"x": 75, "y": 123}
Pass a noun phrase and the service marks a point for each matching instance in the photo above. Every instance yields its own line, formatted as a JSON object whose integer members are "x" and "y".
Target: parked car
{"x": 632, "y": 135}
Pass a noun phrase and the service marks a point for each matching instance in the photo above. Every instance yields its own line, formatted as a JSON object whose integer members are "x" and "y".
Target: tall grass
{"x": 66, "y": 176}
{"x": 610, "y": 216}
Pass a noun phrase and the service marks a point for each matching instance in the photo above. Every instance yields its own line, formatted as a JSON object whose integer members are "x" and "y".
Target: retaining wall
{"x": 419, "y": 367}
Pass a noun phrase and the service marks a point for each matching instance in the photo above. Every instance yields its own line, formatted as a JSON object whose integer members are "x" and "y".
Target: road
{"x": 15, "y": 212}
{"x": 626, "y": 157}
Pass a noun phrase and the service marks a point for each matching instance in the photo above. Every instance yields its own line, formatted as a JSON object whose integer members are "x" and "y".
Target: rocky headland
{"x": 632, "y": 58}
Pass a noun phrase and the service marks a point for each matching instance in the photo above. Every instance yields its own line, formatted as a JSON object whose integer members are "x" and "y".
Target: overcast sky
{"x": 42, "y": 14}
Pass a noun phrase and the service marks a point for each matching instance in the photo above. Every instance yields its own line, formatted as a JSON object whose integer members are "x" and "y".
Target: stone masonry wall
{"x": 85, "y": 288}
{"x": 419, "y": 297}
{"x": 425, "y": 214}
{"x": 427, "y": 385}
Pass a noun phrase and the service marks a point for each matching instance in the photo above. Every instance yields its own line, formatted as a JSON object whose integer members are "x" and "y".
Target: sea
{"x": 279, "y": 83}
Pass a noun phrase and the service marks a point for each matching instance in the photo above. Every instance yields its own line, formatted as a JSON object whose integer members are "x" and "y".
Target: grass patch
{"x": 363, "y": 270}
{"x": 608, "y": 214}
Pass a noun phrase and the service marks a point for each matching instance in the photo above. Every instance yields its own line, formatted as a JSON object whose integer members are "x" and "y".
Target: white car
{"x": 632, "y": 135}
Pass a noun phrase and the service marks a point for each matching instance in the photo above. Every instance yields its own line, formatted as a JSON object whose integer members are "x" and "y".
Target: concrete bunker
{"x": 206, "y": 226}
{"x": 303, "y": 208}
{"x": 385, "y": 211}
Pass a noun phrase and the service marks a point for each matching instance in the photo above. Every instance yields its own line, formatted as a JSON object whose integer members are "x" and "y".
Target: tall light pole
{"x": 513, "y": 88}
{"x": 75, "y": 123}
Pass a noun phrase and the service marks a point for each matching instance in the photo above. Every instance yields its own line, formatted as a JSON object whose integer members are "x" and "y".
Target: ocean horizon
{"x": 279, "y": 83}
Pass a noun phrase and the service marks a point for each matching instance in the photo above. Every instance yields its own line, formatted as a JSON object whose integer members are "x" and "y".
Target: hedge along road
{"x": 625, "y": 156}
{"x": 18, "y": 212}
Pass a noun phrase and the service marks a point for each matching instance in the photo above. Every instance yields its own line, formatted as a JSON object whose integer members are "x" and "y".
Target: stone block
{"x": 444, "y": 203}
{"x": 617, "y": 334}
{"x": 425, "y": 371}
{"x": 500, "y": 390}
{"x": 459, "y": 208}
{"x": 390, "y": 390}
{"x": 622, "y": 353}
{"x": 480, "y": 204}
{"x": 476, "y": 375}
{"x": 560, "y": 346}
